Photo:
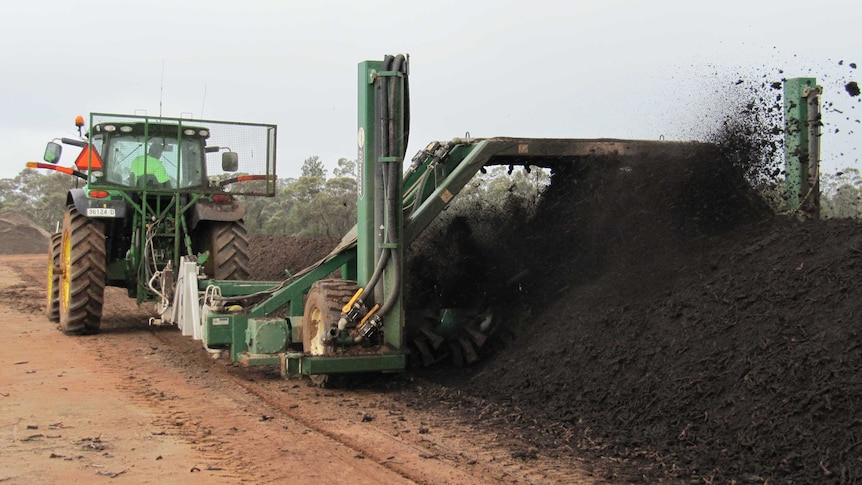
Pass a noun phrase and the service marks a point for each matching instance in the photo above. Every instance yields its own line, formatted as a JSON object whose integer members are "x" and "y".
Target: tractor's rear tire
{"x": 82, "y": 274}
{"x": 227, "y": 243}
{"x": 323, "y": 307}
{"x": 52, "y": 305}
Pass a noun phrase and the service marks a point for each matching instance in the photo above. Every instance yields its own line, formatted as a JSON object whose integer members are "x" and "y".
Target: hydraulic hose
{"x": 392, "y": 183}
{"x": 392, "y": 129}
{"x": 387, "y": 176}
{"x": 378, "y": 270}
{"x": 402, "y": 66}
{"x": 381, "y": 149}
{"x": 390, "y": 179}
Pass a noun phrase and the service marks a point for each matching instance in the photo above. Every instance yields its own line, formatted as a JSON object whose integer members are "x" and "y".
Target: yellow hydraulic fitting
{"x": 349, "y": 305}
{"x": 369, "y": 324}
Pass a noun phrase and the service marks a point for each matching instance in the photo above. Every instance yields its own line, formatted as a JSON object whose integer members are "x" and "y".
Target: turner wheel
{"x": 82, "y": 274}
{"x": 462, "y": 345}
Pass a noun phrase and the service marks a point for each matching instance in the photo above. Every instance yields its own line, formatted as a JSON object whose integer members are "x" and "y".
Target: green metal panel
{"x": 366, "y": 163}
{"x": 799, "y": 171}
{"x": 467, "y": 160}
{"x": 267, "y": 335}
{"x": 238, "y": 344}
{"x": 296, "y": 363}
{"x": 295, "y": 326}
{"x": 348, "y": 270}
{"x": 234, "y": 288}
{"x": 218, "y": 330}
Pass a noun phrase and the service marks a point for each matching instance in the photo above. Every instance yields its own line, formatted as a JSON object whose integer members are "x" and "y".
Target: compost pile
{"x": 19, "y": 235}
{"x": 275, "y": 258}
{"x": 666, "y": 321}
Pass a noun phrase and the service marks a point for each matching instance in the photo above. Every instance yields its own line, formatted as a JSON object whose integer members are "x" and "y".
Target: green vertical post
{"x": 802, "y": 145}
{"x": 370, "y": 218}
{"x": 366, "y": 162}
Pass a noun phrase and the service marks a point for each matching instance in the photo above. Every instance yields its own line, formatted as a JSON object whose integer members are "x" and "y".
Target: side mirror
{"x": 229, "y": 161}
{"x": 53, "y": 152}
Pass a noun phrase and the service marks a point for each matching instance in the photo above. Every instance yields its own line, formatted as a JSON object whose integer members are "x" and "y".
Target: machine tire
{"x": 82, "y": 274}
{"x": 227, "y": 243}
{"x": 322, "y": 310}
{"x": 52, "y": 305}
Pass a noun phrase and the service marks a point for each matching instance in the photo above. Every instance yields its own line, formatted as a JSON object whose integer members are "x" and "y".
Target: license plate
{"x": 101, "y": 212}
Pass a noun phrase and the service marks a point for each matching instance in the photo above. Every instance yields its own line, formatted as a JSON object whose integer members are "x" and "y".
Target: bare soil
{"x": 141, "y": 404}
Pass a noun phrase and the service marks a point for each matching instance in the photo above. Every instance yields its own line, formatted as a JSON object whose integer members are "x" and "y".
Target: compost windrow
{"x": 666, "y": 320}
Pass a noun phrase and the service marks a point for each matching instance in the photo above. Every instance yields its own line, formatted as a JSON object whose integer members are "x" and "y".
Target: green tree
{"x": 502, "y": 189}
{"x": 39, "y": 195}
{"x": 296, "y": 204}
{"x": 258, "y": 210}
{"x": 840, "y": 194}
{"x": 345, "y": 168}
{"x": 313, "y": 167}
{"x": 339, "y": 203}
{"x": 311, "y": 205}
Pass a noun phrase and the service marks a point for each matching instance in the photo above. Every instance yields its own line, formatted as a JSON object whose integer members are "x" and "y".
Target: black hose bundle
{"x": 387, "y": 175}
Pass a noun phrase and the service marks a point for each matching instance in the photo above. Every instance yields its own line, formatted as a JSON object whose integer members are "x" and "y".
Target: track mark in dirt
{"x": 120, "y": 402}
{"x": 234, "y": 424}
{"x": 379, "y": 422}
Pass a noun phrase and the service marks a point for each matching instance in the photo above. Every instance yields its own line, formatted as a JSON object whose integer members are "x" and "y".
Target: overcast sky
{"x": 575, "y": 69}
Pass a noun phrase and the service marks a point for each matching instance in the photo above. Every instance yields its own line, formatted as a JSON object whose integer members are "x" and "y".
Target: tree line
{"x": 319, "y": 204}
{"x": 843, "y": 194}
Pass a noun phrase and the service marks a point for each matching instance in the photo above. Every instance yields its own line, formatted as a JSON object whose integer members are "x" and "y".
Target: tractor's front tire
{"x": 82, "y": 274}
{"x": 52, "y": 305}
{"x": 227, "y": 243}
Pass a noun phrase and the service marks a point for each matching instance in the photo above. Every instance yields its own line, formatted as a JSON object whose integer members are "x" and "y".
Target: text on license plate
{"x": 101, "y": 212}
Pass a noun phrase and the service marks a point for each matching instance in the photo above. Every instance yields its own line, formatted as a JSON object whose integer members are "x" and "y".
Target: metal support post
{"x": 802, "y": 146}
{"x": 366, "y": 164}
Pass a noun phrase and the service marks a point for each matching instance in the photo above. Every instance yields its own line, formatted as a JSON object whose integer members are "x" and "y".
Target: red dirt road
{"x": 143, "y": 404}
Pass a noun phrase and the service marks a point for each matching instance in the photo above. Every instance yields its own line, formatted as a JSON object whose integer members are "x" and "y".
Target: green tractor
{"x": 155, "y": 191}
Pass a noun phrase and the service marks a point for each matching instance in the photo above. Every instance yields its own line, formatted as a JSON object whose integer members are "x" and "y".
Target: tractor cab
{"x": 138, "y": 153}
{"x": 149, "y": 155}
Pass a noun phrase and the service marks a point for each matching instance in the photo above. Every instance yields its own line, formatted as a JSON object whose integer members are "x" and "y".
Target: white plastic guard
{"x": 186, "y": 307}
